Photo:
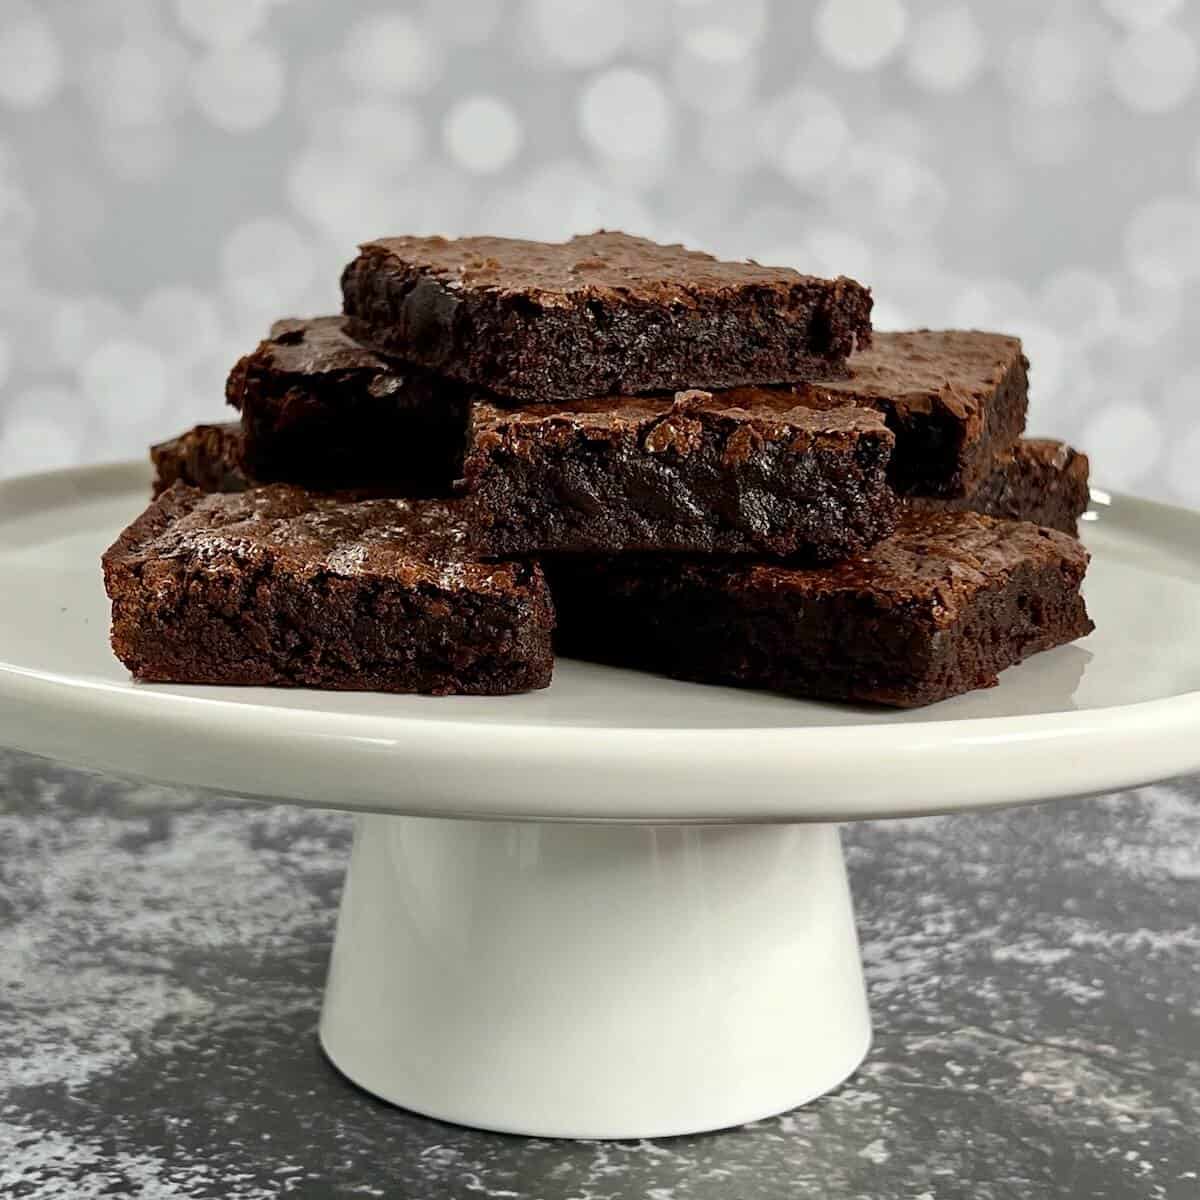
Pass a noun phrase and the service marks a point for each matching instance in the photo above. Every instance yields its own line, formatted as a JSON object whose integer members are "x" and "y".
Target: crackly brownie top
{"x": 594, "y": 265}
{"x": 934, "y": 561}
{"x": 961, "y": 369}
{"x": 315, "y": 346}
{"x": 278, "y": 527}
{"x": 772, "y": 413}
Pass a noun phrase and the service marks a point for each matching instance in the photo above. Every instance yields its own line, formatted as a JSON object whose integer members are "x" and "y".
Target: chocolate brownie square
{"x": 604, "y": 313}
{"x": 1038, "y": 480}
{"x": 746, "y": 471}
{"x": 275, "y": 586}
{"x": 939, "y": 608}
{"x": 320, "y": 410}
{"x": 954, "y": 399}
{"x": 208, "y": 457}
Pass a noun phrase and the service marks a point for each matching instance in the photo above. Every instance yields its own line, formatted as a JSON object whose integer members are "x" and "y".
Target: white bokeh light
{"x": 911, "y": 279}
{"x": 135, "y": 83}
{"x": 1142, "y": 14}
{"x": 1076, "y": 396}
{"x": 1050, "y": 137}
{"x": 824, "y": 251}
{"x": 1150, "y": 312}
{"x": 18, "y": 217}
{"x": 80, "y": 325}
{"x": 1154, "y": 70}
{"x": 648, "y": 32}
{"x": 125, "y": 381}
{"x": 714, "y": 71}
{"x": 44, "y": 438}
{"x": 1054, "y": 66}
{"x": 577, "y": 33}
{"x": 860, "y": 35}
{"x": 467, "y": 22}
{"x": 990, "y": 304}
{"x": 1183, "y": 463}
{"x": 240, "y": 89}
{"x": 332, "y": 191}
{"x": 803, "y": 133}
{"x": 1080, "y": 304}
{"x": 182, "y": 322}
{"x": 222, "y": 23}
{"x": 1181, "y": 402}
{"x": 723, "y": 143}
{"x": 351, "y": 204}
{"x": 440, "y": 198}
{"x": 884, "y": 188}
{"x": 378, "y": 133}
{"x": 1047, "y": 364}
{"x": 201, "y": 384}
{"x": 742, "y": 24}
{"x": 565, "y": 197}
{"x": 138, "y": 153}
{"x": 317, "y": 87}
{"x": 482, "y": 134}
{"x": 267, "y": 265}
{"x": 912, "y": 198}
{"x": 43, "y": 399}
{"x": 625, "y": 114}
{"x": 946, "y": 51}
{"x": 32, "y": 68}
{"x": 1162, "y": 240}
{"x": 1124, "y": 440}
{"x": 390, "y": 52}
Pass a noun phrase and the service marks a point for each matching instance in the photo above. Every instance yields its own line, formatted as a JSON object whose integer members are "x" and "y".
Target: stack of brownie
{"x": 707, "y": 469}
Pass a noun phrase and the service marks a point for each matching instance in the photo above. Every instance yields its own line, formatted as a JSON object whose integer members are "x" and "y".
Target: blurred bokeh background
{"x": 174, "y": 174}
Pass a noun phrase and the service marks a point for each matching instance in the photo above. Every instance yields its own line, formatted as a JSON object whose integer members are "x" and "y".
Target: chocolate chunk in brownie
{"x": 320, "y": 410}
{"x": 208, "y": 457}
{"x": 1038, "y": 480}
{"x": 601, "y": 314}
{"x": 954, "y": 399}
{"x": 939, "y": 608}
{"x": 276, "y": 586}
{"x": 746, "y": 471}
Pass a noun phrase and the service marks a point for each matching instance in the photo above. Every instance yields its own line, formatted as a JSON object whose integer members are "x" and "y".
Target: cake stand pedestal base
{"x": 595, "y": 981}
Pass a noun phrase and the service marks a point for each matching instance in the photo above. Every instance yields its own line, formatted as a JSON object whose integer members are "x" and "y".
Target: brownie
{"x": 1038, "y": 480}
{"x": 319, "y": 409}
{"x": 603, "y": 313}
{"x": 208, "y": 457}
{"x": 939, "y": 608}
{"x": 276, "y": 586}
{"x": 954, "y": 399}
{"x": 746, "y": 471}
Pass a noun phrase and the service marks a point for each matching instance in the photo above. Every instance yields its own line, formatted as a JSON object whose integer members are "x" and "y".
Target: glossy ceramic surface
{"x": 565, "y": 980}
{"x": 1119, "y": 708}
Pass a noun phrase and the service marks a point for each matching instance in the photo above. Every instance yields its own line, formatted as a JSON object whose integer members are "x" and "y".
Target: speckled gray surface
{"x": 1034, "y": 974}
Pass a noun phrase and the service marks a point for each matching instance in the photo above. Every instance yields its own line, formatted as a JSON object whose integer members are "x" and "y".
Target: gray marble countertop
{"x": 1034, "y": 977}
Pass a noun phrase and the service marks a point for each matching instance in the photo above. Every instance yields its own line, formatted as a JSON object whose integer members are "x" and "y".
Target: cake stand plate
{"x": 637, "y": 922}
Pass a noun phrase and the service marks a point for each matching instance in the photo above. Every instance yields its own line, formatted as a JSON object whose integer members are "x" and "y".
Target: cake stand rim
{"x": 443, "y": 766}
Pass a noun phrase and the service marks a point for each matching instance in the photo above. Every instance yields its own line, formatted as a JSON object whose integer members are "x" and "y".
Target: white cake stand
{"x": 639, "y": 923}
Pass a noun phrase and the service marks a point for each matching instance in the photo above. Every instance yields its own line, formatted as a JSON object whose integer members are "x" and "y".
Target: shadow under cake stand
{"x": 618, "y": 907}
